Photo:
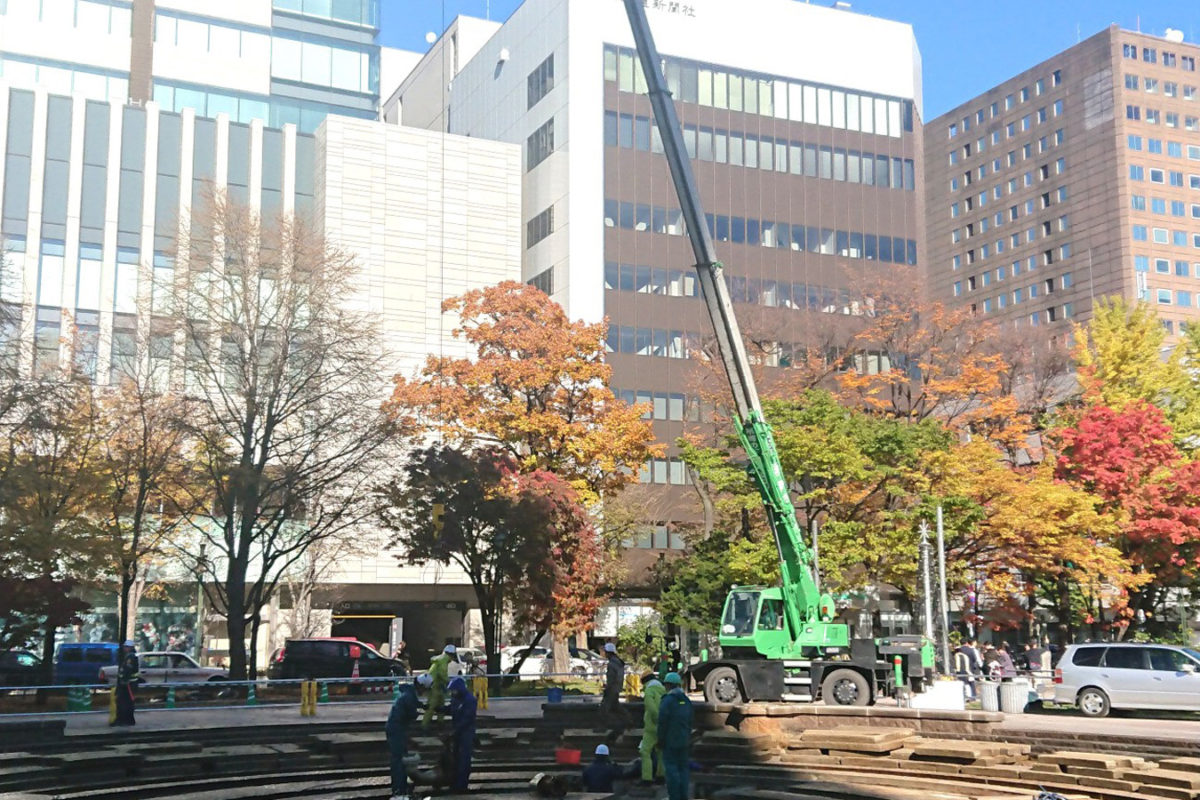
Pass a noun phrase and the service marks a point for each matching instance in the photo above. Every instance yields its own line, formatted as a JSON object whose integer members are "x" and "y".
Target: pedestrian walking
{"x": 675, "y": 736}
{"x": 128, "y": 676}
{"x": 614, "y": 681}
{"x": 439, "y": 672}
{"x": 462, "y": 715}
{"x": 402, "y": 715}
{"x": 653, "y": 693}
{"x": 600, "y": 775}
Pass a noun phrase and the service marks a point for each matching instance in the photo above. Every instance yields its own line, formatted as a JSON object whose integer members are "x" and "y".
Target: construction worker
{"x": 614, "y": 681}
{"x": 653, "y": 693}
{"x": 128, "y": 676}
{"x": 439, "y": 672}
{"x": 599, "y": 776}
{"x": 675, "y": 736}
{"x": 403, "y": 714}
{"x": 462, "y": 715}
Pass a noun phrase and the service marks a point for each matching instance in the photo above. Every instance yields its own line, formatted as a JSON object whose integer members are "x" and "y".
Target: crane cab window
{"x": 770, "y": 616}
{"x": 740, "y": 611}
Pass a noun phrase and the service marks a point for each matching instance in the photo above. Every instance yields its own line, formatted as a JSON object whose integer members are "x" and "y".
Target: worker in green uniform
{"x": 439, "y": 671}
{"x": 653, "y": 692}
{"x": 675, "y": 736}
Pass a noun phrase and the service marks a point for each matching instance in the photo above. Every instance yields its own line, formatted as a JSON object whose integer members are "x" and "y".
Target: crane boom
{"x": 806, "y": 611}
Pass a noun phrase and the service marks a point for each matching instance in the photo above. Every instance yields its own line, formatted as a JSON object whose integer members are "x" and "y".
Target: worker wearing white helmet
{"x": 439, "y": 672}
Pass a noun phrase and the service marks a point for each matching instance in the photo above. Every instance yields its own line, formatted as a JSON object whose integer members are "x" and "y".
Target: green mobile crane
{"x": 777, "y": 642}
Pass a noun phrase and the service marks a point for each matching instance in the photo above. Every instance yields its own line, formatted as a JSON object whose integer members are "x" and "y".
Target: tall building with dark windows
{"x": 1075, "y": 180}
{"x": 804, "y": 126}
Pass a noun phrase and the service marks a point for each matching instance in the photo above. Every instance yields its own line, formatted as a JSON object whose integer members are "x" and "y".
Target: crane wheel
{"x": 845, "y": 687}
{"x": 722, "y": 686}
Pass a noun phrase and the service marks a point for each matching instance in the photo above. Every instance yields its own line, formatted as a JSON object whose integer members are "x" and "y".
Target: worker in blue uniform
{"x": 462, "y": 717}
{"x": 675, "y": 736}
{"x": 402, "y": 715}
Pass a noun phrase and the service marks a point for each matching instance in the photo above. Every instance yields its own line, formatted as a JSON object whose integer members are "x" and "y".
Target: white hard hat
{"x": 129, "y": 642}
{"x": 601, "y": 749}
{"x": 610, "y": 648}
{"x": 425, "y": 680}
{"x": 451, "y": 649}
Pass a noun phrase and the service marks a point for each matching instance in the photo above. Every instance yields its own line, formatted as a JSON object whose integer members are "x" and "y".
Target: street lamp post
{"x": 200, "y": 605}
{"x": 924, "y": 559}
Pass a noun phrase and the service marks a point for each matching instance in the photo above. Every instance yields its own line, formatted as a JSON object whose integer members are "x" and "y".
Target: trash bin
{"x": 989, "y": 695}
{"x": 554, "y": 694}
{"x": 1014, "y": 696}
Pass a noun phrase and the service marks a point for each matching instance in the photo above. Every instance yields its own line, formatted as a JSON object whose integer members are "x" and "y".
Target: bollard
{"x": 395, "y": 691}
{"x": 170, "y": 697}
{"x": 71, "y": 701}
{"x": 251, "y": 697}
{"x": 633, "y": 686}
{"x": 324, "y": 695}
{"x": 308, "y": 698}
{"x": 479, "y": 686}
{"x": 112, "y": 705}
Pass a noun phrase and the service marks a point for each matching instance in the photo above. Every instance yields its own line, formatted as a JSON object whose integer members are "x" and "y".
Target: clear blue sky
{"x": 967, "y": 47}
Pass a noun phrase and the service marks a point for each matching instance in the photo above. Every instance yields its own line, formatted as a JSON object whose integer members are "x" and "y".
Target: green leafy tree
{"x": 641, "y": 642}
{"x": 695, "y": 585}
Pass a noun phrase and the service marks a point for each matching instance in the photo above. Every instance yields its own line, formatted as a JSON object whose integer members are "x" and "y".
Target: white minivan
{"x": 1100, "y": 677}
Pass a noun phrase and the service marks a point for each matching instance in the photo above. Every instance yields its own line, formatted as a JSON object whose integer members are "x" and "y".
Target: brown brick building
{"x": 1075, "y": 179}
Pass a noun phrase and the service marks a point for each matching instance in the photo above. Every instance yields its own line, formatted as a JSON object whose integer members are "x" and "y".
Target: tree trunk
{"x": 491, "y": 650}
{"x": 252, "y": 651}
{"x": 123, "y": 615}
{"x": 235, "y": 619}
{"x": 47, "y": 663}
{"x": 561, "y": 665}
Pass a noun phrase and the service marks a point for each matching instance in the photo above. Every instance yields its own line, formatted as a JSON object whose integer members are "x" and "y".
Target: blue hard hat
{"x": 456, "y": 684}
{"x": 673, "y": 679}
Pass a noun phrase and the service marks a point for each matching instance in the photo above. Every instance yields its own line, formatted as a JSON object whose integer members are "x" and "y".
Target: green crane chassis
{"x": 763, "y": 660}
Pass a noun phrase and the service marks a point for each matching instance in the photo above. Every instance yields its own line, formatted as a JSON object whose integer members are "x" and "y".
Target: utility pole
{"x": 924, "y": 560}
{"x": 941, "y": 544}
{"x": 816, "y": 553}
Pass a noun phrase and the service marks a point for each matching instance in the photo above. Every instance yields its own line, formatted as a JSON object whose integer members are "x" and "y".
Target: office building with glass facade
{"x": 804, "y": 127}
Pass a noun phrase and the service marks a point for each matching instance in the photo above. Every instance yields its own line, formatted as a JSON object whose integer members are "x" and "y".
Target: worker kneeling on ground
{"x": 462, "y": 715}
{"x": 439, "y": 672}
{"x": 675, "y": 736}
{"x": 600, "y": 775}
{"x": 654, "y": 691}
{"x": 402, "y": 715}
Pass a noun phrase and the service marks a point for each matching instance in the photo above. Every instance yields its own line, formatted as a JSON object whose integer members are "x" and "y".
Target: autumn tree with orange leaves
{"x": 536, "y": 386}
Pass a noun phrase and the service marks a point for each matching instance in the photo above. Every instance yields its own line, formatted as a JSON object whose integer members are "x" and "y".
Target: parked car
{"x": 168, "y": 667}
{"x": 330, "y": 658}
{"x": 80, "y": 662}
{"x": 580, "y": 664}
{"x": 1101, "y": 677}
{"x": 19, "y": 668}
{"x": 471, "y": 659}
{"x": 533, "y": 666}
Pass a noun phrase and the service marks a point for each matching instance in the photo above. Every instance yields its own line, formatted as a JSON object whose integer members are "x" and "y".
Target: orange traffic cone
{"x": 354, "y": 676}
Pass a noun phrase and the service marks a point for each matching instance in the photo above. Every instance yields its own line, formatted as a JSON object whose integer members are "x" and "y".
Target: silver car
{"x": 169, "y": 667}
{"x": 1101, "y": 677}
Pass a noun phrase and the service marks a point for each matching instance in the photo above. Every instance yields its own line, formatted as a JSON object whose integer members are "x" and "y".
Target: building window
{"x": 1129, "y": 51}
{"x": 1133, "y": 112}
{"x": 539, "y": 145}
{"x": 543, "y": 281}
{"x": 1149, "y": 55}
{"x": 1164, "y": 297}
{"x": 539, "y": 227}
{"x": 1168, "y": 59}
{"x": 540, "y": 81}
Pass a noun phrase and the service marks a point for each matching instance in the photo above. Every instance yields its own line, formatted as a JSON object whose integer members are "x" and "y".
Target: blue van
{"x": 80, "y": 662}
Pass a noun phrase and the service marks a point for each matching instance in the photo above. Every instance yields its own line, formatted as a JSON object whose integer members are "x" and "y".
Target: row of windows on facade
{"x": 1044, "y": 143}
{"x": 1010, "y": 131}
{"x": 1150, "y": 56}
{"x": 109, "y": 17}
{"x": 1174, "y": 238}
{"x": 663, "y": 406}
{"x": 1011, "y": 100}
{"x": 1014, "y": 185}
{"x": 1045, "y": 258}
{"x": 1162, "y": 266}
{"x": 1032, "y": 291}
{"x": 1138, "y": 172}
{"x": 1152, "y": 86}
{"x": 721, "y": 87}
{"x": 764, "y": 233}
{"x": 1173, "y": 149}
{"x": 1156, "y": 116}
{"x": 1045, "y": 201}
{"x": 1049, "y": 227}
{"x": 1035, "y": 318}
{"x": 764, "y": 152}
{"x": 1180, "y": 297}
{"x": 656, "y": 537}
{"x": 763, "y": 292}
{"x": 968, "y": 150}
{"x": 92, "y": 212}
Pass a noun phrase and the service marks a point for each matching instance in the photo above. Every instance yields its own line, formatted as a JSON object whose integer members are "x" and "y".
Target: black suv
{"x": 330, "y": 658}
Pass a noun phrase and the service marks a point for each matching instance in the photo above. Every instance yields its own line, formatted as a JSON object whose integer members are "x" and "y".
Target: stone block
{"x": 1073, "y": 758}
{"x": 1181, "y": 764}
{"x": 1178, "y": 779}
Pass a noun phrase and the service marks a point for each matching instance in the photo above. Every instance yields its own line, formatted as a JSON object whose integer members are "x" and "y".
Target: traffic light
{"x": 439, "y": 517}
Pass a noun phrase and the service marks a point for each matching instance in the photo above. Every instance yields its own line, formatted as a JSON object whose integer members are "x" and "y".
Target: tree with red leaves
{"x": 1130, "y": 461}
{"x": 520, "y": 536}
